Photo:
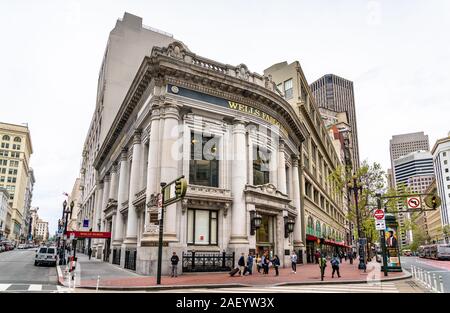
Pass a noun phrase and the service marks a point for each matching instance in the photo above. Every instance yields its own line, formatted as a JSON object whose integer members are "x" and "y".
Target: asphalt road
{"x": 17, "y": 267}
{"x": 441, "y": 268}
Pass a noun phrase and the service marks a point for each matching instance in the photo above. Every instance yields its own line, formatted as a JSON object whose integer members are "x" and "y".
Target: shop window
{"x": 204, "y": 165}
{"x": 202, "y": 227}
{"x": 261, "y": 162}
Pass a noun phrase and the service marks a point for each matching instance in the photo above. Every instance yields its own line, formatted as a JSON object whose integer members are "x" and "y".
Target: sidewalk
{"x": 114, "y": 277}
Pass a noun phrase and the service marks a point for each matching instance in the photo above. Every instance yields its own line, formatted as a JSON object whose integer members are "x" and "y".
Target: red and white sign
{"x": 89, "y": 234}
{"x": 379, "y": 214}
{"x": 413, "y": 202}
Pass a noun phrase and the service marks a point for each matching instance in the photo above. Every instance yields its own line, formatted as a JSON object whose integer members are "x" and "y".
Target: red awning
{"x": 311, "y": 238}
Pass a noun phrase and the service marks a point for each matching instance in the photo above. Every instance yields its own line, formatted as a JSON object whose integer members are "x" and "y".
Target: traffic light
{"x": 180, "y": 187}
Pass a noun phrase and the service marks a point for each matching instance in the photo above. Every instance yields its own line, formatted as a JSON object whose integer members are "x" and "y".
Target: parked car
{"x": 2, "y": 247}
{"x": 46, "y": 255}
{"x": 21, "y": 246}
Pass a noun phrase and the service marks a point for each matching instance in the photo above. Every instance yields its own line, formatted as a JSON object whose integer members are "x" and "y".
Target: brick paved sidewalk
{"x": 111, "y": 276}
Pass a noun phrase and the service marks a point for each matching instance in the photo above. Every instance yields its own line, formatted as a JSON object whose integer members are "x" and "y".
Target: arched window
{"x": 318, "y": 229}
{"x": 17, "y": 139}
{"x": 5, "y": 137}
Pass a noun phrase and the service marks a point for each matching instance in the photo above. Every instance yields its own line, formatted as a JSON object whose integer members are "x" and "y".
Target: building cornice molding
{"x": 176, "y": 61}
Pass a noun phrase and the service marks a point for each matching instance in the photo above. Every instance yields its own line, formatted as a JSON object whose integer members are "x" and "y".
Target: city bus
{"x": 435, "y": 251}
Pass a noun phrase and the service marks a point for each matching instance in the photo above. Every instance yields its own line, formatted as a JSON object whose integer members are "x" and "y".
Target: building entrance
{"x": 265, "y": 236}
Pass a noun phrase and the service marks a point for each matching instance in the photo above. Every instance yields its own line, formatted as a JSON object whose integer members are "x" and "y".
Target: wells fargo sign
{"x": 244, "y": 108}
{"x": 89, "y": 234}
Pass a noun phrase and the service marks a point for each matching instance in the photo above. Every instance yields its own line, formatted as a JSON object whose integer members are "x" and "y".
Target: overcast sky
{"x": 396, "y": 53}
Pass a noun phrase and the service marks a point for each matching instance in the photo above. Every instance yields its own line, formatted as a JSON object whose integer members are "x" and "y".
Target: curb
{"x": 406, "y": 276}
{"x": 238, "y": 285}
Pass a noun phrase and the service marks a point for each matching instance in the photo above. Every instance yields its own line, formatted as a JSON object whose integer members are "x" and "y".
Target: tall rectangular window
{"x": 261, "y": 166}
{"x": 288, "y": 89}
{"x": 204, "y": 164}
{"x": 202, "y": 227}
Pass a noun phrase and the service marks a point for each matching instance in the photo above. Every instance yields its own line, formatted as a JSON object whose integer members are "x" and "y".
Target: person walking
{"x": 174, "y": 261}
{"x": 266, "y": 263}
{"x": 259, "y": 263}
{"x": 335, "y": 266}
{"x": 90, "y": 252}
{"x": 276, "y": 264}
{"x": 322, "y": 265}
{"x": 294, "y": 262}
{"x": 350, "y": 257}
{"x": 317, "y": 256}
{"x": 249, "y": 267}
{"x": 241, "y": 264}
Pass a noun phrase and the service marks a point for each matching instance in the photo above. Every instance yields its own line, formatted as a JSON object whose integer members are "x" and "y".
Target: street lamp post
{"x": 356, "y": 187}
{"x": 66, "y": 212}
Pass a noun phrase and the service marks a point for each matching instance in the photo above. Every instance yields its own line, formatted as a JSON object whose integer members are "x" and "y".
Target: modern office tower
{"x": 441, "y": 159}
{"x": 336, "y": 93}
{"x": 414, "y": 171}
{"x": 15, "y": 152}
{"x": 401, "y": 145}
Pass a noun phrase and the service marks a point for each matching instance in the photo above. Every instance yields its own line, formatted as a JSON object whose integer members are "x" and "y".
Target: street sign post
{"x": 380, "y": 224}
{"x": 170, "y": 193}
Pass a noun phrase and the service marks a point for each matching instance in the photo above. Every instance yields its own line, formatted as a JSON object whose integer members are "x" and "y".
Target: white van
{"x": 46, "y": 255}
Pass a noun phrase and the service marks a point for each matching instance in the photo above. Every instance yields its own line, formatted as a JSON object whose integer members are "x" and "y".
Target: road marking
{"x": 35, "y": 288}
{"x": 341, "y": 288}
{"x": 3, "y": 287}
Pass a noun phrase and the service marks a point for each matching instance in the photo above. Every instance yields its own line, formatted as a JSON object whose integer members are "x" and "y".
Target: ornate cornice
{"x": 176, "y": 63}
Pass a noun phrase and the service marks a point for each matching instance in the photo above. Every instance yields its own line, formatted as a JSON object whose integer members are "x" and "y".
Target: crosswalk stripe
{"x": 3, "y": 287}
{"x": 35, "y": 288}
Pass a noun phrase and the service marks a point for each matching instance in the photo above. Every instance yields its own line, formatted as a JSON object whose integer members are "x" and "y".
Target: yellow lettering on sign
{"x": 255, "y": 112}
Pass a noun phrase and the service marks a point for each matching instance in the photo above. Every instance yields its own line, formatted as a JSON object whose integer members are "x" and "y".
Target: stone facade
{"x": 174, "y": 96}
{"x": 323, "y": 206}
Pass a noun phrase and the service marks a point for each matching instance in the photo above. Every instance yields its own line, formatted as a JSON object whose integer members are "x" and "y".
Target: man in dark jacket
{"x": 174, "y": 261}
{"x": 241, "y": 264}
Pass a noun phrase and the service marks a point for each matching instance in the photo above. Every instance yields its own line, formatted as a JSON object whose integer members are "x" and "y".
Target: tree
{"x": 371, "y": 178}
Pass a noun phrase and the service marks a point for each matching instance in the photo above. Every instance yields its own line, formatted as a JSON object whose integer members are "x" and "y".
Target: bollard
{"x": 430, "y": 284}
{"x": 413, "y": 272}
{"x": 441, "y": 283}
{"x": 98, "y": 282}
{"x": 435, "y": 285}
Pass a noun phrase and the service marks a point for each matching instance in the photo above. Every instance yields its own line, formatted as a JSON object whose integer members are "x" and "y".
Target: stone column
{"x": 105, "y": 198}
{"x": 101, "y": 217}
{"x": 281, "y": 185}
{"x": 97, "y": 211}
{"x": 239, "y": 180}
{"x": 296, "y": 201}
{"x": 152, "y": 170}
{"x": 169, "y": 165}
{"x": 121, "y": 197}
{"x": 114, "y": 183}
{"x": 131, "y": 237}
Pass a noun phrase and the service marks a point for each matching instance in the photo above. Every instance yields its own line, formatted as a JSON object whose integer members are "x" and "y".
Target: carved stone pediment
{"x": 207, "y": 197}
{"x": 269, "y": 189}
